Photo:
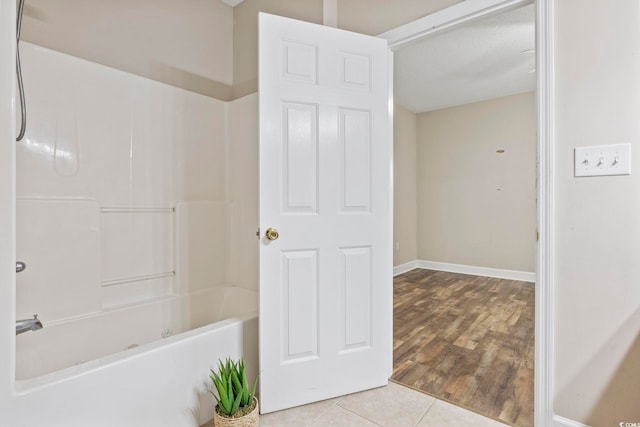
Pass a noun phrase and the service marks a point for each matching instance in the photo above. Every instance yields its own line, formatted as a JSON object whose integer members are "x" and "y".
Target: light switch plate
{"x": 601, "y": 160}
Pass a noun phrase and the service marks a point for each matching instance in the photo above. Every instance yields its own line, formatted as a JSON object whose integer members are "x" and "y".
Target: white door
{"x": 325, "y": 185}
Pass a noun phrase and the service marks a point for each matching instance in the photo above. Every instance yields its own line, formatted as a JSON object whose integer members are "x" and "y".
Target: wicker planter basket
{"x": 249, "y": 420}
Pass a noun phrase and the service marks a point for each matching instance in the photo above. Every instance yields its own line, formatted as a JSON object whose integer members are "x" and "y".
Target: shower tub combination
{"x": 131, "y": 235}
{"x": 163, "y": 383}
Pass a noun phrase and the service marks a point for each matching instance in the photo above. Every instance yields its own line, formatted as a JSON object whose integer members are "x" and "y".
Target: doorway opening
{"x": 464, "y": 290}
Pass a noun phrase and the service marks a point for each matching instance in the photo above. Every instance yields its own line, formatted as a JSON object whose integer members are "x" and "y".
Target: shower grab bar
{"x": 114, "y": 209}
{"x": 107, "y": 283}
{"x": 20, "y": 266}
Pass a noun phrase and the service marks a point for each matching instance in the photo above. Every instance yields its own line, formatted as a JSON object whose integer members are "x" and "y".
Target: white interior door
{"x": 325, "y": 185}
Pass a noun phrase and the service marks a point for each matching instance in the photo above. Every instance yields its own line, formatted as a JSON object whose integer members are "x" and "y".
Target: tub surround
{"x": 128, "y": 221}
{"x": 132, "y": 201}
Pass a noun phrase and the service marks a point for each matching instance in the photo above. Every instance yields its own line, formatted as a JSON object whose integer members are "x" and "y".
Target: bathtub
{"x": 158, "y": 383}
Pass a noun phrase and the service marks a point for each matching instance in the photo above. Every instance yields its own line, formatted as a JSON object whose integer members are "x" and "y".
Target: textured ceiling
{"x": 478, "y": 61}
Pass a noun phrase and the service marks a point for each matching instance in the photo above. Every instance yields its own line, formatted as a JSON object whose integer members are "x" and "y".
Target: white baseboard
{"x": 559, "y": 421}
{"x": 403, "y": 268}
{"x": 478, "y": 271}
{"x": 524, "y": 276}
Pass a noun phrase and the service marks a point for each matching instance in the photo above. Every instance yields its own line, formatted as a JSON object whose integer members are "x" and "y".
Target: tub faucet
{"x": 28, "y": 325}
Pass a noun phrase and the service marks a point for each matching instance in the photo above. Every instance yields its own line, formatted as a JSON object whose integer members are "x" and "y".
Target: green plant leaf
{"x": 236, "y": 404}
{"x": 253, "y": 390}
{"x": 232, "y": 385}
{"x": 245, "y": 384}
{"x": 232, "y": 398}
{"x": 237, "y": 385}
{"x": 225, "y": 399}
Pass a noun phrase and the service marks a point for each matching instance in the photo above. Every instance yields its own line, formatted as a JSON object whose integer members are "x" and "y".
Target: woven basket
{"x": 249, "y": 420}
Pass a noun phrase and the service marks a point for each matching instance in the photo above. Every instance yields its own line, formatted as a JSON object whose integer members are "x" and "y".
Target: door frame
{"x": 468, "y": 11}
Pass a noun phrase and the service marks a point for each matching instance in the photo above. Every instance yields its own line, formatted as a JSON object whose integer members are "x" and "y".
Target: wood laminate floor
{"x": 468, "y": 340}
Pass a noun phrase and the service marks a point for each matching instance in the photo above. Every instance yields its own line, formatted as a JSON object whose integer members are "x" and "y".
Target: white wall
{"x": 476, "y": 206}
{"x": 597, "y": 372}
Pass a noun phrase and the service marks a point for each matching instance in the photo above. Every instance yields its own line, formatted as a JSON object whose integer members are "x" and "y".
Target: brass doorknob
{"x": 271, "y": 234}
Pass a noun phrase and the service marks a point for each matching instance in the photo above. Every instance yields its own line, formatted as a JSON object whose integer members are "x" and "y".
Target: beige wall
{"x": 243, "y": 190}
{"x": 200, "y": 45}
{"x": 597, "y": 347}
{"x": 203, "y": 46}
{"x": 188, "y": 44}
{"x": 404, "y": 186}
{"x": 245, "y": 35}
{"x": 476, "y": 206}
{"x": 377, "y": 16}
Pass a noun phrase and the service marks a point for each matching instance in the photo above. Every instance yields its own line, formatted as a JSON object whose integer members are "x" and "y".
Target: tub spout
{"x": 28, "y": 325}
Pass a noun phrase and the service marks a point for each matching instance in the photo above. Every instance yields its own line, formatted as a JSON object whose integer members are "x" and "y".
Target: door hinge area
{"x": 258, "y": 233}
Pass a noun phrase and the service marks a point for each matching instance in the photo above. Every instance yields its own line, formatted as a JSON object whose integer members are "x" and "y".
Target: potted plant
{"x": 237, "y": 405}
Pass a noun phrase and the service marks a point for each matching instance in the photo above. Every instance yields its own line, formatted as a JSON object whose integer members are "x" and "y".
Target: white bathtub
{"x": 160, "y": 383}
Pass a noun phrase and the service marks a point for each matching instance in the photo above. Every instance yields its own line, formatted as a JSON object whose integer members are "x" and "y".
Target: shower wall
{"x": 129, "y": 192}
{"x": 243, "y": 191}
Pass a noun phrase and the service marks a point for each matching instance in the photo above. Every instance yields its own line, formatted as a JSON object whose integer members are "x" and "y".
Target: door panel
{"x": 300, "y": 149}
{"x": 300, "y": 304}
{"x": 356, "y": 298}
{"x": 355, "y": 157}
{"x": 325, "y": 184}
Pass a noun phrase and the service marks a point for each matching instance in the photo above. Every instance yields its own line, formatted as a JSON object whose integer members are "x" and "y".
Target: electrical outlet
{"x": 397, "y": 246}
{"x": 603, "y": 160}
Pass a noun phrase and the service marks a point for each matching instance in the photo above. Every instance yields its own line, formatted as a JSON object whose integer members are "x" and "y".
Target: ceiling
{"x": 481, "y": 60}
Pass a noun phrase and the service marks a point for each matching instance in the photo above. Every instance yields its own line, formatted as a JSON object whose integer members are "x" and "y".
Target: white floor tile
{"x": 443, "y": 414}
{"x": 299, "y": 416}
{"x": 389, "y": 406}
{"x": 339, "y": 417}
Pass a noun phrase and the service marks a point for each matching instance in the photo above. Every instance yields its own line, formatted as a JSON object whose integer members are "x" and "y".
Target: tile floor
{"x": 390, "y": 406}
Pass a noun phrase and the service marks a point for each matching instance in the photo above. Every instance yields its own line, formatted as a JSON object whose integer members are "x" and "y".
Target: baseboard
{"x": 559, "y": 421}
{"x": 524, "y": 276}
{"x": 403, "y": 268}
